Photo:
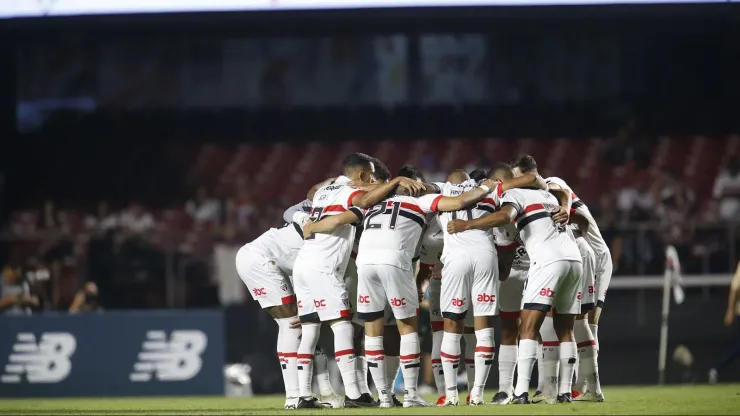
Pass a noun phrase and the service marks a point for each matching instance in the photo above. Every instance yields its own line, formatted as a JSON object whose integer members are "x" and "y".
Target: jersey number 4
{"x": 382, "y": 210}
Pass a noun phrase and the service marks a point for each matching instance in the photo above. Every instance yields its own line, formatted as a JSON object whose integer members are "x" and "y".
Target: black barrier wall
{"x": 112, "y": 354}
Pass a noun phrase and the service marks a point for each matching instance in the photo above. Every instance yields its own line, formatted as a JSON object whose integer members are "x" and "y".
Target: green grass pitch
{"x": 723, "y": 399}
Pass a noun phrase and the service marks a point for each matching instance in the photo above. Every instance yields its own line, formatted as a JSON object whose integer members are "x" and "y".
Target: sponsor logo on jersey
{"x": 485, "y": 297}
{"x": 396, "y": 302}
{"x": 46, "y": 361}
{"x": 363, "y": 299}
{"x": 320, "y": 304}
{"x": 176, "y": 359}
{"x": 458, "y": 302}
{"x": 259, "y": 291}
{"x": 547, "y": 292}
{"x": 300, "y": 304}
{"x": 284, "y": 287}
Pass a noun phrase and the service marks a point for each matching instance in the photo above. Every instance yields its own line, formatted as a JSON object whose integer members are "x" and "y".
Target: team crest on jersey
{"x": 284, "y": 287}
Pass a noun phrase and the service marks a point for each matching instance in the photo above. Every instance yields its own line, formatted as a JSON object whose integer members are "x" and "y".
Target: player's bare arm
{"x": 580, "y": 220}
{"x": 465, "y": 199}
{"x": 324, "y": 183}
{"x": 565, "y": 198}
{"x": 370, "y": 198}
{"x": 505, "y": 260}
{"x": 329, "y": 224}
{"x": 526, "y": 180}
{"x": 501, "y": 217}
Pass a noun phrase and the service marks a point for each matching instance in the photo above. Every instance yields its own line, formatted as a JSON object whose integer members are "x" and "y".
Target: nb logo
{"x": 259, "y": 291}
{"x": 47, "y": 361}
{"x": 319, "y": 303}
{"x": 395, "y": 302}
{"x": 363, "y": 299}
{"x": 547, "y": 292}
{"x": 175, "y": 360}
{"x": 486, "y": 298}
{"x": 458, "y": 302}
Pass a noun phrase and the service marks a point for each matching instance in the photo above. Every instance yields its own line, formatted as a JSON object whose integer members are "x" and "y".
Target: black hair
{"x": 479, "y": 174}
{"x": 382, "y": 173}
{"x": 411, "y": 172}
{"x": 357, "y": 161}
{"x": 525, "y": 163}
{"x": 501, "y": 170}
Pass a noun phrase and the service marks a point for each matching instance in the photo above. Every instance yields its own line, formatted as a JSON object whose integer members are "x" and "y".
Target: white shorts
{"x": 587, "y": 294}
{"x": 321, "y": 296}
{"x": 435, "y": 288}
{"x": 266, "y": 282}
{"x": 556, "y": 284}
{"x": 510, "y": 293}
{"x": 469, "y": 276}
{"x": 380, "y": 285}
{"x": 350, "y": 280}
{"x": 603, "y": 276}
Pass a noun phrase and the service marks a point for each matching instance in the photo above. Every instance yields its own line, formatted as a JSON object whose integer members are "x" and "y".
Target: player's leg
{"x": 469, "y": 352}
{"x": 485, "y": 306}
{"x": 603, "y": 278}
{"x": 567, "y": 306}
{"x": 549, "y": 359}
{"x": 587, "y": 370}
{"x": 310, "y": 331}
{"x": 538, "y": 298}
{"x": 510, "y": 304}
{"x": 392, "y": 344}
{"x": 403, "y": 298}
{"x": 350, "y": 279}
{"x": 267, "y": 284}
{"x": 454, "y": 300}
{"x": 370, "y": 306}
{"x": 437, "y": 324}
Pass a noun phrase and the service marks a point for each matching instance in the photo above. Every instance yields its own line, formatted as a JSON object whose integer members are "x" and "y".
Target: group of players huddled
{"x": 355, "y": 253}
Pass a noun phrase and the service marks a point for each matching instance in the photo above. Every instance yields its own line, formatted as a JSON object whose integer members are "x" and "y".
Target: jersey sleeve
{"x": 557, "y": 181}
{"x": 428, "y": 203}
{"x": 303, "y": 206}
{"x": 347, "y": 195}
{"x": 509, "y": 199}
{"x": 504, "y": 238}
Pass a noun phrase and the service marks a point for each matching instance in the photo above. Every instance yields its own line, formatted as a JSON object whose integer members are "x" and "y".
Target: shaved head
{"x": 458, "y": 176}
{"x": 501, "y": 172}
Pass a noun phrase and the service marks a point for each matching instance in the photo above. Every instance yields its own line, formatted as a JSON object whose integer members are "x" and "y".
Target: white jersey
{"x": 593, "y": 235}
{"x": 283, "y": 243}
{"x": 482, "y": 239}
{"x": 507, "y": 237}
{"x": 545, "y": 241}
{"x": 330, "y": 251}
{"x": 392, "y": 229}
{"x": 431, "y": 243}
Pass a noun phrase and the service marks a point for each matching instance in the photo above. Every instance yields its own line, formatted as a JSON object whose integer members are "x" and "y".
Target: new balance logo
{"x": 175, "y": 360}
{"x": 47, "y": 361}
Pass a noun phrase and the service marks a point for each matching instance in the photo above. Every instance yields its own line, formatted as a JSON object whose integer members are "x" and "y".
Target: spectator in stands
{"x": 15, "y": 293}
{"x": 135, "y": 220}
{"x": 104, "y": 220}
{"x": 727, "y": 190}
{"x": 627, "y": 146}
{"x": 203, "y": 208}
{"x": 675, "y": 200}
{"x": 635, "y": 203}
{"x": 86, "y": 299}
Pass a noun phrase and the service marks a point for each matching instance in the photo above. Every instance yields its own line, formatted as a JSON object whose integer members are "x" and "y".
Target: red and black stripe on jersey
{"x": 405, "y": 209}
{"x": 486, "y": 204}
{"x": 530, "y": 213}
{"x": 317, "y": 213}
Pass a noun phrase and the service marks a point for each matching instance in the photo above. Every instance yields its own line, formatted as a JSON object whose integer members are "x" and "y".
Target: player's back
{"x": 545, "y": 241}
{"x": 482, "y": 239}
{"x": 330, "y": 251}
{"x": 280, "y": 244}
{"x": 392, "y": 230}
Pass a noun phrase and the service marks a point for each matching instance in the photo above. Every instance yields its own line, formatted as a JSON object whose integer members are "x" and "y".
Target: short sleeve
{"x": 428, "y": 203}
{"x": 348, "y": 194}
{"x": 505, "y": 238}
{"x": 509, "y": 199}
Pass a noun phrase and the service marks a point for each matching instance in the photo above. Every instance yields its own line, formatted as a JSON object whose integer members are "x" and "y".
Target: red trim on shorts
{"x": 586, "y": 344}
{"x": 304, "y": 356}
{"x": 434, "y": 204}
{"x": 345, "y": 313}
{"x": 374, "y": 352}
{"x": 436, "y": 361}
{"x": 509, "y": 315}
{"x": 550, "y": 343}
{"x": 344, "y": 352}
{"x": 352, "y": 196}
{"x": 287, "y": 300}
{"x": 509, "y": 246}
{"x": 334, "y": 208}
{"x": 438, "y": 326}
{"x": 485, "y": 349}
{"x": 450, "y": 356}
{"x": 410, "y": 356}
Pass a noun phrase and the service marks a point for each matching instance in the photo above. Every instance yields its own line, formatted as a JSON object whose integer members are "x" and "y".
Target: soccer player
{"x": 319, "y": 274}
{"x": 554, "y": 279}
{"x": 264, "y": 265}
{"x": 603, "y": 274}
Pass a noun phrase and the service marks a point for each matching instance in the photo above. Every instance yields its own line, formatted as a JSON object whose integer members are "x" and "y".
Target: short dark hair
{"x": 411, "y": 172}
{"x": 501, "y": 170}
{"x": 478, "y": 174}
{"x": 382, "y": 173}
{"x": 357, "y": 161}
{"x": 525, "y": 163}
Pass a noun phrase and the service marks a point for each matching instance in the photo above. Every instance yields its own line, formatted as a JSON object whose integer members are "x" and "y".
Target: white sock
{"x": 450, "y": 361}
{"x": 470, "y": 343}
{"x": 484, "y": 351}
{"x": 527, "y": 355}
{"x": 595, "y": 332}
{"x": 392, "y": 367}
{"x": 361, "y": 368}
{"x": 344, "y": 353}
{"x": 588, "y": 366}
{"x": 507, "y": 356}
{"x": 550, "y": 357}
{"x": 305, "y": 356}
{"x": 376, "y": 362}
{"x": 568, "y": 355}
{"x": 410, "y": 363}
{"x": 540, "y": 369}
{"x": 288, "y": 342}
{"x": 321, "y": 373}
{"x": 439, "y": 375}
